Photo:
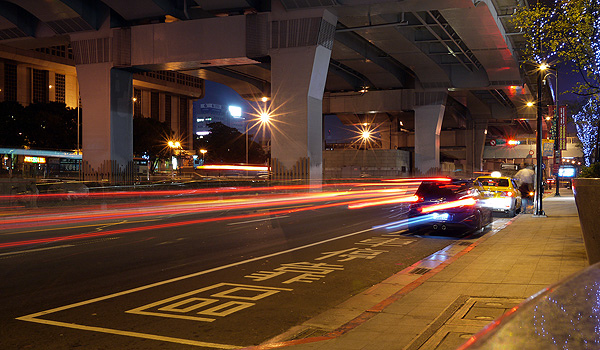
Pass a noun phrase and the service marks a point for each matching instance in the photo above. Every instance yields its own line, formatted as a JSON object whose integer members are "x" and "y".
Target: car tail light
{"x": 507, "y": 194}
{"x": 448, "y": 205}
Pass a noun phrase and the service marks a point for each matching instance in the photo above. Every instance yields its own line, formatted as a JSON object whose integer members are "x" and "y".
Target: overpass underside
{"x": 430, "y": 77}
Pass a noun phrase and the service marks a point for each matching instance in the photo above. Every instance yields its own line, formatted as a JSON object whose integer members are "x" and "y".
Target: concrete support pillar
{"x": 106, "y": 97}
{"x": 386, "y": 133}
{"x": 390, "y": 133}
{"x": 428, "y": 126}
{"x": 475, "y": 142}
{"x": 298, "y": 74}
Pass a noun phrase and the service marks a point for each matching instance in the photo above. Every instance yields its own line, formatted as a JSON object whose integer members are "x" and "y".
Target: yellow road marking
{"x": 34, "y": 317}
{"x": 36, "y": 250}
{"x": 257, "y": 220}
{"x": 130, "y": 334}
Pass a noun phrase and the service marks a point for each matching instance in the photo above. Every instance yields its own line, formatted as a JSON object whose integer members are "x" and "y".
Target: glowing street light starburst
{"x": 365, "y": 135}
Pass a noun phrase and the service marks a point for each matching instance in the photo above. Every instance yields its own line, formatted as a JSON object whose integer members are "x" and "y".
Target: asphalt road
{"x": 180, "y": 273}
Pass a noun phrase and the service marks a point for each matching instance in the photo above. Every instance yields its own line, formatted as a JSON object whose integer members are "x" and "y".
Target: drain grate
{"x": 464, "y": 243}
{"x": 419, "y": 271}
{"x": 308, "y": 333}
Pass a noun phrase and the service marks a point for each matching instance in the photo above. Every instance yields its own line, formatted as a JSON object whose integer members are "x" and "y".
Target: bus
{"x": 40, "y": 163}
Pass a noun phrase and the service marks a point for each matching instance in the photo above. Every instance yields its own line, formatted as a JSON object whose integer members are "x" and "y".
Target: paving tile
{"x": 511, "y": 290}
{"x": 516, "y": 262}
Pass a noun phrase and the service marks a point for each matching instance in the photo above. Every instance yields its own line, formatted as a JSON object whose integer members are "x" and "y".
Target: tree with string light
{"x": 569, "y": 31}
{"x": 586, "y": 122}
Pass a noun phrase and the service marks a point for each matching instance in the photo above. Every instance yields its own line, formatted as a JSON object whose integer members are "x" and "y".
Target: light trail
{"x": 401, "y": 199}
{"x": 166, "y": 225}
{"x": 191, "y": 207}
{"x": 356, "y": 195}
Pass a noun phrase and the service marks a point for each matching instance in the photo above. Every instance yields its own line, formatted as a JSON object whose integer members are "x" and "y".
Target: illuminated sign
{"x": 29, "y": 159}
{"x": 504, "y": 142}
{"x": 566, "y": 171}
{"x": 547, "y": 148}
{"x": 235, "y": 111}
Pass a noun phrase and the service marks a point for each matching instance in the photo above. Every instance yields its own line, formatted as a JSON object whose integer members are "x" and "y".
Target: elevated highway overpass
{"x": 413, "y": 69}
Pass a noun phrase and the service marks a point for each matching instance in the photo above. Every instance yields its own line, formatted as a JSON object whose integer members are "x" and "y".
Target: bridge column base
{"x": 428, "y": 127}
{"x": 106, "y": 97}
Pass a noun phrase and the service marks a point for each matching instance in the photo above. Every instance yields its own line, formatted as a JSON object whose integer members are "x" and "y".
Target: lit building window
{"x": 40, "y": 86}
{"x": 10, "y": 82}
{"x": 59, "y": 84}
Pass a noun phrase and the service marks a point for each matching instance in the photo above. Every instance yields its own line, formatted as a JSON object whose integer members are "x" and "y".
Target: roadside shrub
{"x": 591, "y": 171}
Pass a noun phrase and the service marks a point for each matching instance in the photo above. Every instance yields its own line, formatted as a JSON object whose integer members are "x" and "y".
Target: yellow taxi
{"x": 500, "y": 194}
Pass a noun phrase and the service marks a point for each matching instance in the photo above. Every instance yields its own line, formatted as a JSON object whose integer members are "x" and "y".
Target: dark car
{"x": 448, "y": 205}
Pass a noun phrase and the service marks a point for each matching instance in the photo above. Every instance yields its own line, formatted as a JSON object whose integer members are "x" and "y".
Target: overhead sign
{"x": 502, "y": 142}
{"x": 29, "y": 159}
{"x": 505, "y": 166}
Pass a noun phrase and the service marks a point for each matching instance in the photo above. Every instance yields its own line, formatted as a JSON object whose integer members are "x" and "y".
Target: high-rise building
{"x": 206, "y": 113}
{"x": 49, "y": 75}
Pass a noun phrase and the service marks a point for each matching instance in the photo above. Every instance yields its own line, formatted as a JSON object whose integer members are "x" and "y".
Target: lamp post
{"x": 264, "y": 119}
{"x": 172, "y": 146}
{"x": 203, "y": 151}
{"x": 557, "y": 153}
{"x": 539, "y": 192}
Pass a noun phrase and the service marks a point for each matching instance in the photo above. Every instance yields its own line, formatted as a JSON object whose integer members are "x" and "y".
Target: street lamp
{"x": 172, "y": 146}
{"x": 264, "y": 119}
{"x": 557, "y": 152}
{"x": 366, "y": 136}
{"x": 539, "y": 193}
{"x": 203, "y": 151}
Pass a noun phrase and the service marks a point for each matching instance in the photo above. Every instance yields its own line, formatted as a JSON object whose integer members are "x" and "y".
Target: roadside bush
{"x": 591, "y": 171}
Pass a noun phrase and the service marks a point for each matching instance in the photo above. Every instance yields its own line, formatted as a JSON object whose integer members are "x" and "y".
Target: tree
{"x": 586, "y": 122}
{"x": 150, "y": 138}
{"x": 12, "y": 126}
{"x": 51, "y": 125}
{"x": 569, "y": 31}
{"x": 228, "y": 145}
{"x": 39, "y": 125}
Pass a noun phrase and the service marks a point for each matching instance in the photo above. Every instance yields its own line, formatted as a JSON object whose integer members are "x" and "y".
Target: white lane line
{"x": 257, "y": 220}
{"x": 37, "y": 250}
{"x": 33, "y": 317}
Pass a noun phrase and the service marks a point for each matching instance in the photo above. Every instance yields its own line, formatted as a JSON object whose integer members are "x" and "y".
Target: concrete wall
{"x": 352, "y": 163}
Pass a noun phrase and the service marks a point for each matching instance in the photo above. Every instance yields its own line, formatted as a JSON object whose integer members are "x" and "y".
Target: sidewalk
{"x": 464, "y": 288}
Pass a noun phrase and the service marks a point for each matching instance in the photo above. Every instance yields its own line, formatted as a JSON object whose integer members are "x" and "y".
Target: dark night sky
{"x": 334, "y": 130}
